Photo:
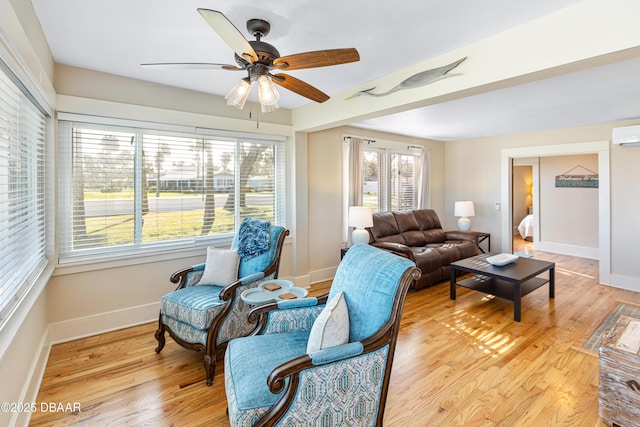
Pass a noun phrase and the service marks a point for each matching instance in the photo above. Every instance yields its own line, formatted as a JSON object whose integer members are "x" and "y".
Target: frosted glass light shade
{"x": 238, "y": 95}
{"x": 267, "y": 92}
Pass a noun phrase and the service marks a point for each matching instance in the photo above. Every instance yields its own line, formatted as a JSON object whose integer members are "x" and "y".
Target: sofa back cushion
{"x": 418, "y": 227}
{"x": 410, "y": 228}
{"x": 430, "y": 225}
{"x": 385, "y": 228}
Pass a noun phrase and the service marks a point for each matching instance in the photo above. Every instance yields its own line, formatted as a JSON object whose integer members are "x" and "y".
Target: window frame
{"x": 26, "y": 147}
{"x": 162, "y": 249}
{"x": 385, "y": 182}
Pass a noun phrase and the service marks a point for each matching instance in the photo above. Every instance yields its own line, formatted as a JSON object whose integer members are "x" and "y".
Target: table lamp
{"x": 464, "y": 210}
{"x": 359, "y": 218}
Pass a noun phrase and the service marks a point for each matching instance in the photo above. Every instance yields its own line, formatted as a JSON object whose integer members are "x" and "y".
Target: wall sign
{"x": 578, "y": 177}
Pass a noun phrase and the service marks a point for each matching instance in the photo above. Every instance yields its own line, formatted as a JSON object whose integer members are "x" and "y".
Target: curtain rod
{"x": 368, "y": 141}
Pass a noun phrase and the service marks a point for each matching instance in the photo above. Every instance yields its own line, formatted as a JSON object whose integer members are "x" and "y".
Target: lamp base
{"x": 464, "y": 223}
{"x": 360, "y": 235}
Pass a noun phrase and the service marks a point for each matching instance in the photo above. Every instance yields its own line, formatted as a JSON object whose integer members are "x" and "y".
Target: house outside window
{"x": 133, "y": 190}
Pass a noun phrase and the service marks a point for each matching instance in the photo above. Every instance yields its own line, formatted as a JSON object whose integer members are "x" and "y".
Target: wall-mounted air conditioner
{"x": 628, "y": 136}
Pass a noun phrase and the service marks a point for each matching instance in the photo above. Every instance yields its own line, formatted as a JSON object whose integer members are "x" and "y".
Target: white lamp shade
{"x": 465, "y": 208}
{"x": 360, "y": 217}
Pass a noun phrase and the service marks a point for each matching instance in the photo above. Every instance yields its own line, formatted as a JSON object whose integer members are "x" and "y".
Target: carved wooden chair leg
{"x": 160, "y": 338}
{"x": 210, "y": 367}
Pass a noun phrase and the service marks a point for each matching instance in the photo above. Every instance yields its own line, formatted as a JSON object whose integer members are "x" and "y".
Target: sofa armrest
{"x": 472, "y": 236}
{"x": 396, "y": 248}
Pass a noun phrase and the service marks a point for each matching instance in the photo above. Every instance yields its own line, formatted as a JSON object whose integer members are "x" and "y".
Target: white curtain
{"x": 423, "y": 179}
{"x": 352, "y": 184}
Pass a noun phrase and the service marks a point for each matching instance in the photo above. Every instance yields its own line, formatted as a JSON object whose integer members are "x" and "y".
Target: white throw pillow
{"x": 331, "y": 327}
{"x": 221, "y": 267}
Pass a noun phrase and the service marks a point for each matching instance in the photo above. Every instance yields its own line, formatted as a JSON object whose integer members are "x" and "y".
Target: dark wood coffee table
{"x": 511, "y": 282}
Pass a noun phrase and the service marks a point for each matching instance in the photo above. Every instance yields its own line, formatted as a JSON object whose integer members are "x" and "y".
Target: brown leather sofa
{"x": 418, "y": 235}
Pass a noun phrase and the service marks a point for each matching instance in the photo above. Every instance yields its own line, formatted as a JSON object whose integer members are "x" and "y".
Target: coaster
{"x": 288, "y": 295}
{"x": 272, "y": 287}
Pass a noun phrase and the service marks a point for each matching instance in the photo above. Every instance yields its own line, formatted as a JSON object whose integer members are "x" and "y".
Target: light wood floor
{"x": 458, "y": 363}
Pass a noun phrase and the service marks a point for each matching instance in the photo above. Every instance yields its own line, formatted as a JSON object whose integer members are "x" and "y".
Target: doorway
{"x": 522, "y": 204}
{"x": 601, "y": 148}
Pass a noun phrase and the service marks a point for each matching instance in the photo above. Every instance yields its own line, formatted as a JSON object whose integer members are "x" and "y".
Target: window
{"x": 139, "y": 190}
{"x": 389, "y": 180}
{"x": 22, "y": 191}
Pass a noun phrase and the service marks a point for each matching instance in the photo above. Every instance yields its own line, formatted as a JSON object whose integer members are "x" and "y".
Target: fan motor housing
{"x": 266, "y": 54}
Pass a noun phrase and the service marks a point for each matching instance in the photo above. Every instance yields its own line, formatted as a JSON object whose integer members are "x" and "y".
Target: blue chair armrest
{"x": 198, "y": 267}
{"x": 297, "y": 303}
{"x": 252, "y": 278}
{"x": 338, "y": 352}
{"x": 272, "y": 319}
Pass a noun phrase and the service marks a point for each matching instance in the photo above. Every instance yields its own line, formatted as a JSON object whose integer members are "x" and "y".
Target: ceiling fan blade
{"x": 319, "y": 58}
{"x": 300, "y": 87}
{"x": 229, "y": 33}
{"x": 191, "y": 66}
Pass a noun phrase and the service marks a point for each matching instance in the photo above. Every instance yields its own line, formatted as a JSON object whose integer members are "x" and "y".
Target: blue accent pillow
{"x": 253, "y": 237}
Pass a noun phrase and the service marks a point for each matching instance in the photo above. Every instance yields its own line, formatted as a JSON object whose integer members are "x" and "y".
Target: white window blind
{"x": 22, "y": 201}
{"x": 389, "y": 180}
{"x": 404, "y": 181}
{"x": 137, "y": 190}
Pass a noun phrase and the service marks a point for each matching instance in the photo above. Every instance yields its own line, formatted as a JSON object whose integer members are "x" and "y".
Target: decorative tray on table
{"x": 273, "y": 290}
{"x": 501, "y": 259}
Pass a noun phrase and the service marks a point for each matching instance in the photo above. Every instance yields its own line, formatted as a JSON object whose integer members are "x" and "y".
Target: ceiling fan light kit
{"x": 238, "y": 95}
{"x": 259, "y": 59}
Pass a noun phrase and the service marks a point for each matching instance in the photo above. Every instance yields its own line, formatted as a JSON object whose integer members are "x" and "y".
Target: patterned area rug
{"x": 622, "y": 309}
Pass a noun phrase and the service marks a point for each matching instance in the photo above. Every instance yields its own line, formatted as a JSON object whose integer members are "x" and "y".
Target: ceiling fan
{"x": 260, "y": 59}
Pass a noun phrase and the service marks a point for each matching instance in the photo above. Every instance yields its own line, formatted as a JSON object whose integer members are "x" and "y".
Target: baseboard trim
{"x": 29, "y": 393}
{"x": 100, "y": 323}
{"x": 625, "y": 282}
{"x": 572, "y": 250}
{"x": 323, "y": 275}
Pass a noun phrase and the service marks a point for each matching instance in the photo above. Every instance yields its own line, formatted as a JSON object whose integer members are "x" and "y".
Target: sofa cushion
{"x": 430, "y": 225}
{"x": 410, "y": 228}
{"x": 448, "y": 252}
{"x": 427, "y": 259}
{"x": 467, "y": 249}
{"x": 385, "y": 228}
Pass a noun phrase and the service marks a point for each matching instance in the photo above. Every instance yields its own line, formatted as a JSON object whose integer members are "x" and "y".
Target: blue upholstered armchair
{"x": 273, "y": 378}
{"x": 205, "y": 317}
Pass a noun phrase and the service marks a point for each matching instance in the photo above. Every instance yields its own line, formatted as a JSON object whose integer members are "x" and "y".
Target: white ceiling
{"x": 116, "y": 36}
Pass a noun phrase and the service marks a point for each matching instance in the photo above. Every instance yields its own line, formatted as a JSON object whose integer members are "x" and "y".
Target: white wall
{"x": 473, "y": 172}
{"x": 568, "y": 216}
